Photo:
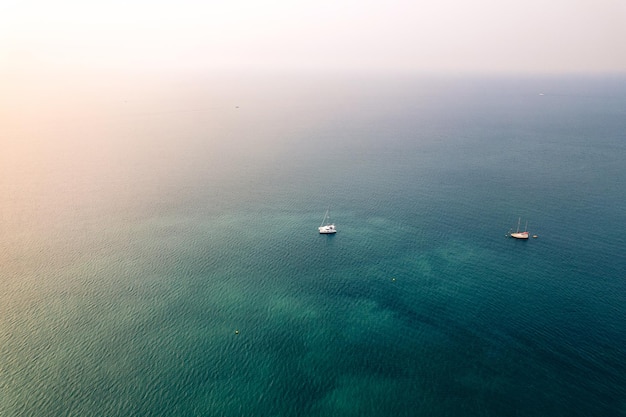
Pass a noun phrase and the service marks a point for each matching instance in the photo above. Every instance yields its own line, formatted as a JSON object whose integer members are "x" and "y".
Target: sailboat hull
{"x": 520, "y": 235}
{"x": 328, "y": 229}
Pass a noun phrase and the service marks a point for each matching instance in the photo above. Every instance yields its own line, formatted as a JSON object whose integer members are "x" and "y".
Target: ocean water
{"x": 159, "y": 253}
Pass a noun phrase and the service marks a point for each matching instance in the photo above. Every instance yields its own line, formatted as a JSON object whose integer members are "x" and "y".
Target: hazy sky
{"x": 426, "y": 36}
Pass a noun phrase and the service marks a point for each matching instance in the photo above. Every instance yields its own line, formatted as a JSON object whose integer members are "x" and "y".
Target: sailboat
{"x": 327, "y": 227}
{"x": 518, "y": 234}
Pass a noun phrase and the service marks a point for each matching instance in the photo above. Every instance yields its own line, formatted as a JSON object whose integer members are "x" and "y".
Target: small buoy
{"x": 236, "y": 331}
{"x": 393, "y": 279}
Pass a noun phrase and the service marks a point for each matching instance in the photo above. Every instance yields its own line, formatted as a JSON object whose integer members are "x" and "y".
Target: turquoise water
{"x": 145, "y": 223}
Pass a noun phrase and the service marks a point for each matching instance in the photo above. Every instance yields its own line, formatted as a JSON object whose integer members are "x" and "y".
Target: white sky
{"x": 426, "y": 36}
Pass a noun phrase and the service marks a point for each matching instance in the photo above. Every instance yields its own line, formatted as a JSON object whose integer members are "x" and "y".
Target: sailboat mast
{"x": 326, "y": 216}
{"x": 518, "y": 222}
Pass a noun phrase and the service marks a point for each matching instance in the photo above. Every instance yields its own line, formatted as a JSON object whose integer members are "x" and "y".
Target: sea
{"x": 159, "y": 250}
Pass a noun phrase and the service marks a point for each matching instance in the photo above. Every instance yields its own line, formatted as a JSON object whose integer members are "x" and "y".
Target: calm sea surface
{"x": 159, "y": 253}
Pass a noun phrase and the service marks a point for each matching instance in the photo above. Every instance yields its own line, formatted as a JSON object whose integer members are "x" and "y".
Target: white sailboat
{"x": 327, "y": 227}
{"x": 518, "y": 234}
